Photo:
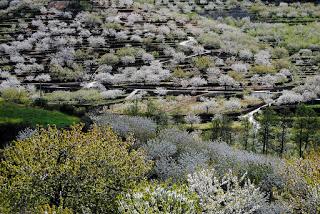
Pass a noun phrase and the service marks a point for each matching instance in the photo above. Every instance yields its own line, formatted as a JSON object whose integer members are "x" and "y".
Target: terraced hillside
{"x": 111, "y": 49}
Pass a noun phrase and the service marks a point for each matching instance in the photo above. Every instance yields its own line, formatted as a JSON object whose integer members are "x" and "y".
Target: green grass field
{"x": 19, "y": 114}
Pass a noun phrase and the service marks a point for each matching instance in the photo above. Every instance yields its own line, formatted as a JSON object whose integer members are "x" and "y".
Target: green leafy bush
{"x": 262, "y": 69}
{"x": 15, "y": 95}
{"x": 69, "y": 168}
{"x": 80, "y": 96}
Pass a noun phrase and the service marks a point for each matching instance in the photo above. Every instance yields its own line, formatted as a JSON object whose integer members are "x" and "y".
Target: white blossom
{"x": 112, "y": 94}
{"x": 225, "y": 195}
{"x": 289, "y": 97}
{"x": 96, "y": 41}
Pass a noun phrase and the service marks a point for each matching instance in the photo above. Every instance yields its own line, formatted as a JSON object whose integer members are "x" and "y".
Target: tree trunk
{"x": 300, "y": 143}
{"x": 283, "y": 136}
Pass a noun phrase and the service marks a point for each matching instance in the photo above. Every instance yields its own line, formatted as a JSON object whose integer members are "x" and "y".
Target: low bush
{"x": 15, "y": 95}
{"x": 262, "y": 69}
{"x": 82, "y": 96}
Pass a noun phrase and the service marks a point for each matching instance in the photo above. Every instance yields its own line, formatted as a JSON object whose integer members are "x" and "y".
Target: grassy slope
{"x": 20, "y": 114}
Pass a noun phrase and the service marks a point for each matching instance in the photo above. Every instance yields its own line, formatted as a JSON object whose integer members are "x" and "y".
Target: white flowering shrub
{"x": 232, "y": 105}
{"x": 104, "y": 68}
{"x": 65, "y": 57}
{"x": 134, "y": 17}
{"x": 112, "y": 94}
{"x": 141, "y": 128}
{"x": 159, "y": 198}
{"x": 96, "y": 41}
{"x": 176, "y": 153}
{"x": 10, "y": 82}
{"x": 240, "y": 67}
{"x": 17, "y": 58}
{"x": 147, "y": 58}
{"x": 161, "y": 91}
{"x": 169, "y": 51}
{"x": 289, "y": 97}
{"x": 180, "y": 164}
{"x": 157, "y": 149}
{"x": 128, "y": 60}
{"x": 178, "y": 57}
{"x": 153, "y": 73}
{"x": 198, "y": 49}
{"x": 197, "y": 81}
{"x": 122, "y": 35}
{"x": 227, "y": 195}
{"x": 206, "y": 105}
{"x": 192, "y": 119}
{"x": 225, "y": 80}
{"x": 43, "y": 78}
{"x": 311, "y": 85}
{"x": 245, "y": 54}
{"x": 136, "y": 38}
{"x": 26, "y": 133}
{"x": 213, "y": 74}
{"x": 262, "y": 58}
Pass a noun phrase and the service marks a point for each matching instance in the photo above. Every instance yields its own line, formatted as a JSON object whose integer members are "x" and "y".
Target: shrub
{"x": 239, "y": 77}
{"x": 109, "y": 59}
{"x": 69, "y": 167}
{"x": 262, "y": 58}
{"x": 226, "y": 195}
{"x": 232, "y": 104}
{"x": 141, "y": 128}
{"x": 90, "y": 19}
{"x": 112, "y": 25}
{"x": 262, "y": 69}
{"x": 202, "y": 62}
{"x": 303, "y": 182}
{"x": 280, "y": 53}
{"x": 239, "y": 67}
{"x": 80, "y": 96}
{"x": 67, "y": 74}
{"x": 176, "y": 154}
{"x": 15, "y": 95}
{"x": 192, "y": 119}
{"x": 3, "y": 3}
{"x": 82, "y": 54}
{"x": 289, "y": 97}
{"x": 128, "y": 60}
{"x": 197, "y": 81}
{"x": 178, "y": 57}
{"x": 112, "y": 94}
{"x": 159, "y": 198}
{"x": 180, "y": 73}
{"x": 245, "y": 54}
{"x": 128, "y": 51}
{"x": 147, "y": 58}
{"x": 210, "y": 40}
{"x": 96, "y": 41}
{"x": 281, "y": 64}
{"x": 225, "y": 80}
{"x": 40, "y": 102}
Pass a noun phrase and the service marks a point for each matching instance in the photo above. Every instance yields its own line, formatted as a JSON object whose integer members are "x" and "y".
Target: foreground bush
{"x": 159, "y": 198}
{"x": 69, "y": 169}
{"x": 177, "y": 153}
{"x": 303, "y": 183}
{"x": 226, "y": 195}
{"x": 15, "y": 95}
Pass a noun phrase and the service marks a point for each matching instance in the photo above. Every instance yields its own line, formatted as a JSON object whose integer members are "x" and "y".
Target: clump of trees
{"x": 96, "y": 171}
{"x": 70, "y": 169}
